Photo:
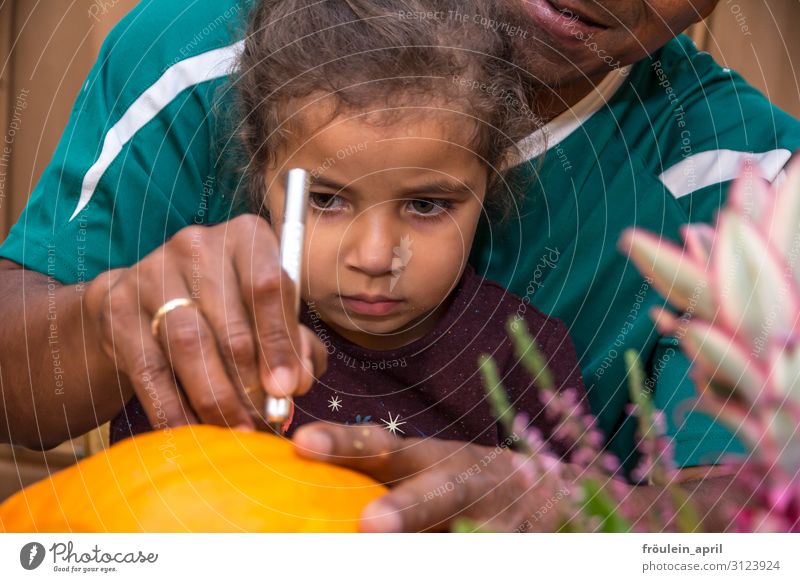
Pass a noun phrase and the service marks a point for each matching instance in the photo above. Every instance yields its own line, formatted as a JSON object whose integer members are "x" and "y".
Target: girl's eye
{"x": 429, "y": 206}
{"x": 323, "y": 201}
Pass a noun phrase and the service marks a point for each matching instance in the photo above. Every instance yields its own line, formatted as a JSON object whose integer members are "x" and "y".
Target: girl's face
{"x": 392, "y": 214}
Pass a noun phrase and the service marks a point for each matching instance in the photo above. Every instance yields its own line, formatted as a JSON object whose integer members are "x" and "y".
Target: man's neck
{"x": 553, "y": 101}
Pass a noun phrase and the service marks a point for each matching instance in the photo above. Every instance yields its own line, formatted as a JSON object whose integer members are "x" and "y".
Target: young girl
{"x": 404, "y": 114}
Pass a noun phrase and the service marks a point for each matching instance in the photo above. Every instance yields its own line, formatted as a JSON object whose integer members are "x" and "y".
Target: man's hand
{"x": 244, "y": 301}
{"x": 435, "y": 482}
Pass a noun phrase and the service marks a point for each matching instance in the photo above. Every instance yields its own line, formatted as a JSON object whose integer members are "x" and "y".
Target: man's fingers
{"x": 221, "y": 304}
{"x": 433, "y": 481}
{"x": 371, "y": 450}
{"x": 425, "y": 497}
{"x": 192, "y": 349}
{"x": 151, "y": 375}
{"x": 428, "y": 502}
{"x": 477, "y": 483}
{"x": 366, "y": 448}
{"x": 128, "y": 340}
{"x": 268, "y": 293}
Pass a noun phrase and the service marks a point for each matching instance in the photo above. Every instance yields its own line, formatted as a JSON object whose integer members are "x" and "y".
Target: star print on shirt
{"x": 334, "y": 403}
{"x": 393, "y": 424}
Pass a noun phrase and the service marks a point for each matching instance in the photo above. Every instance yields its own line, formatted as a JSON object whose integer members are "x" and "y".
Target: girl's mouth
{"x": 370, "y": 305}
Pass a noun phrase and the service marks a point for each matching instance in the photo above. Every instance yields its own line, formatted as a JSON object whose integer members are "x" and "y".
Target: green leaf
{"x": 686, "y": 517}
{"x": 600, "y": 504}
{"x": 464, "y": 525}
{"x": 496, "y": 393}
{"x": 639, "y": 396}
{"x": 528, "y": 353}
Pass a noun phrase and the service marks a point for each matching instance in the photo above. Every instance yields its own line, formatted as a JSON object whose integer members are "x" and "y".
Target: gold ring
{"x": 250, "y": 389}
{"x": 166, "y": 308}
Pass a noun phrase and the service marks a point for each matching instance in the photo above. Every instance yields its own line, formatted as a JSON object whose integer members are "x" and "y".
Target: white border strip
{"x": 180, "y": 76}
{"x": 696, "y": 557}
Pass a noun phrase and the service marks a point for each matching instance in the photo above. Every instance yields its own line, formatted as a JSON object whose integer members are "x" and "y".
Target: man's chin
{"x": 547, "y": 68}
{"x": 553, "y": 66}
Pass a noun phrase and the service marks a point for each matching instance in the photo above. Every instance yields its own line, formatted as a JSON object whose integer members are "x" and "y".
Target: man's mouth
{"x": 565, "y": 20}
{"x": 572, "y": 12}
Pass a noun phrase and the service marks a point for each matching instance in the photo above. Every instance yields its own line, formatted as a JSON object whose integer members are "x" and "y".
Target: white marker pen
{"x": 278, "y": 410}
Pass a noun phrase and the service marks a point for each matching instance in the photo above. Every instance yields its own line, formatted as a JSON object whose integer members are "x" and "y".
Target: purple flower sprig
{"x": 599, "y": 503}
{"x": 564, "y": 408}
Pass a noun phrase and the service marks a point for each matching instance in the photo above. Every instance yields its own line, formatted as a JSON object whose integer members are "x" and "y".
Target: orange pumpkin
{"x": 196, "y": 479}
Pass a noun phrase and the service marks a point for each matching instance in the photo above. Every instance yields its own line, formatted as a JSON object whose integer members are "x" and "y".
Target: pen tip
{"x": 276, "y": 428}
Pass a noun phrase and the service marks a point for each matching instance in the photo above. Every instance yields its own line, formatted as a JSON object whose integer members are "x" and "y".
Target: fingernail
{"x": 379, "y": 517}
{"x": 314, "y": 442}
{"x": 244, "y": 428}
{"x": 284, "y": 380}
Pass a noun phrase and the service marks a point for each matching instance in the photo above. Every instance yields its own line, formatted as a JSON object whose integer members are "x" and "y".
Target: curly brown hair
{"x": 385, "y": 53}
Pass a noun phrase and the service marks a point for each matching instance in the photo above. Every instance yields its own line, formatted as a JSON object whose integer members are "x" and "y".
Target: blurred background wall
{"x": 759, "y": 39}
{"x": 48, "y": 46}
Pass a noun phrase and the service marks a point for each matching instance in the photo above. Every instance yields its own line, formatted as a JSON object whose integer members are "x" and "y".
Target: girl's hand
{"x": 436, "y": 482}
{"x": 240, "y": 334}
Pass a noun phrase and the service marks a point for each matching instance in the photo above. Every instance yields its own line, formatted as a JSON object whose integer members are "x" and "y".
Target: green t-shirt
{"x": 147, "y": 152}
{"x": 653, "y": 147}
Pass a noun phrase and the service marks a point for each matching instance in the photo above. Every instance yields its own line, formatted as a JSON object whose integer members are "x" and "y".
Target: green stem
{"x": 528, "y": 353}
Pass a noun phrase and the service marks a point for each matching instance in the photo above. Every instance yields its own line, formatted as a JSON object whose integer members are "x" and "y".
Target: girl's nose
{"x": 370, "y": 241}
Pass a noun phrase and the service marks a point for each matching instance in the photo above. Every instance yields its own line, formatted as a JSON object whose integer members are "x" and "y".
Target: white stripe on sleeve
{"x": 717, "y": 166}
{"x": 180, "y": 76}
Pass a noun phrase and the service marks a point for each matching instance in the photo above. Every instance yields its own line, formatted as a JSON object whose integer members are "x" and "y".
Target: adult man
{"x": 651, "y": 145}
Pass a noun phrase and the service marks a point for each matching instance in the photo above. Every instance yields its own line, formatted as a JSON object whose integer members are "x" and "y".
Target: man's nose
{"x": 370, "y": 241}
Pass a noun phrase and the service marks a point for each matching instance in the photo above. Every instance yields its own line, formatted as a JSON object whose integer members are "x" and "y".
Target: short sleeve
{"x": 137, "y": 161}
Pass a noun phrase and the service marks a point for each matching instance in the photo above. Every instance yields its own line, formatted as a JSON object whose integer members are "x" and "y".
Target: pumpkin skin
{"x": 194, "y": 479}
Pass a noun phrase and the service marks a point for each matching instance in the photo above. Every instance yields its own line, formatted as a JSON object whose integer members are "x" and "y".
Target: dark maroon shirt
{"x": 433, "y": 386}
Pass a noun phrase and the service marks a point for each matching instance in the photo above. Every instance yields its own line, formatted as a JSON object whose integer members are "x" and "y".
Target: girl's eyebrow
{"x": 327, "y": 183}
{"x": 439, "y": 187}
{"x": 442, "y": 186}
